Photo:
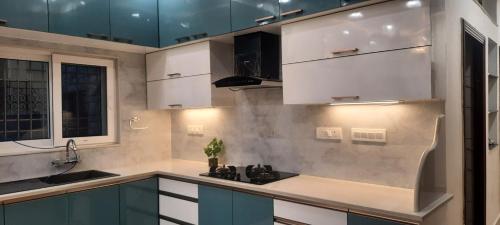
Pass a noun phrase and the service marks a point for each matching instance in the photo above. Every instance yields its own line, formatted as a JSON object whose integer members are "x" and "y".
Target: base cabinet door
{"x": 24, "y": 14}
{"x": 251, "y": 209}
{"x": 355, "y": 219}
{"x": 46, "y": 211}
{"x": 215, "y": 206}
{"x": 139, "y": 202}
{"x": 95, "y": 207}
{"x": 1, "y": 215}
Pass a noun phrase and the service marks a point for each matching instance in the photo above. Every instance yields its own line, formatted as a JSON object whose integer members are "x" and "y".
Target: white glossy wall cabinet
{"x": 395, "y": 75}
{"x": 308, "y": 214}
{"x": 381, "y": 27}
{"x": 182, "y": 77}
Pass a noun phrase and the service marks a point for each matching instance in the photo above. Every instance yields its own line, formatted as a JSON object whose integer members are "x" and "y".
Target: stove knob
{"x": 238, "y": 177}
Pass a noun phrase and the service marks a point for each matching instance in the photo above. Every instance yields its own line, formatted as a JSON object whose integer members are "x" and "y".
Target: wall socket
{"x": 369, "y": 135}
{"x": 195, "y": 130}
{"x": 329, "y": 133}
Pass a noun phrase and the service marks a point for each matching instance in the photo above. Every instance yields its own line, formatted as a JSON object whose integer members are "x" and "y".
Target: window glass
{"x": 84, "y": 106}
{"x": 24, "y": 108}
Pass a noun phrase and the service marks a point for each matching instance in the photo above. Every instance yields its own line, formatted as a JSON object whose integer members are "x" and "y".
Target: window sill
{"x": 14, "y": 149}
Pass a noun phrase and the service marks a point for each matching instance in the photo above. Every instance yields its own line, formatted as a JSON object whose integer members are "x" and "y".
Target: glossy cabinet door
{"x": 182, "y": 20}
{"x": 45, "y": 211}
{"x": 85, "y": 18}
{"x": 250, "y": 13}
{"x": 295, "y": 8}
{"x": 95, "y": 207}
{"x": 251, "y": 209}
{"x": 215, "y": 206}
{"x": 24, "y": 14}
{"x": 139, "y": 202}
{"x": 355, "y": 219}
{"x": 134, "y": 22}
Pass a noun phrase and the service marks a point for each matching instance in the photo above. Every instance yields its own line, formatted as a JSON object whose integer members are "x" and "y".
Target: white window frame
{"x": 57, "y": 61}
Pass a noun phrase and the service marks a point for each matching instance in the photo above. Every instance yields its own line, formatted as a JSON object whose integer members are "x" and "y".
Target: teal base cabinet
{"x": 24, "y": 14}
{"x": 355, "y": 219}
{"x": 250, "y": 13}
{"x": 89, "y": 18}
{"x": 95, "y": 207}
{"x": 182, "y": 20}
{"x": 215, "y": 206}
{"x": 46, "y": 211}
{"x": 251, "y": 209}
{"x": 134, "y": 22}
{"x": 139, "y": 202}
{"x": 295, "y": 8}
{"x": 1, "y": 215}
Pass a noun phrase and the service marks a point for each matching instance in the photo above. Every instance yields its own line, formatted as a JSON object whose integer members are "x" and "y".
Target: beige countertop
{"x": 370, "y": 199}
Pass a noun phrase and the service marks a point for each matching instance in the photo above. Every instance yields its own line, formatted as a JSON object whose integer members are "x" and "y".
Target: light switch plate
{"x": 329, "y": 133}
{"x": 369, "y": 135}
{"x": 195, "y": 129}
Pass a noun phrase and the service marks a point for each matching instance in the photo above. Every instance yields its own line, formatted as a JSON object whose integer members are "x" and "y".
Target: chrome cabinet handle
{"x": 287, "y": 221}
{"x": 200, "y": 35}
{"x": 340, "y": 98}
{"x": 3, "y": 22}
{"x": 123, "y": 40}
{"x": 259, "y": 20}
{"x": 183, "y": 39}
{"x": 342, "y": 51}
{"x": 174, "y": 74}
{"x": 98, "y": 36}
{"x": 296, "y": 11}
{"x": 175, "y": 105}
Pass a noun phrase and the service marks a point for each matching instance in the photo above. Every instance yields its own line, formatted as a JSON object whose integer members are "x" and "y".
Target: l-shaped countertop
{"x": 369, "y": 199}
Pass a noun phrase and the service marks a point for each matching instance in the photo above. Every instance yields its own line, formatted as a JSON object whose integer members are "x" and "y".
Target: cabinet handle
{"x": 175, "y": 106}
{"x": 287, "y": 221}
{"x": 123, "y": 40}
{"x": 200, "y": 35}
{"x": 296, "y": 11}
{"x": 260, "y": 20}
{"x": 3, "y": 22}
{"x": 183, "y": 39}
{"x": 174, "y": 74}
{"x": 98, "y": 36}
{"x": 342, "y": 51}
{"x": 340, "y": 98}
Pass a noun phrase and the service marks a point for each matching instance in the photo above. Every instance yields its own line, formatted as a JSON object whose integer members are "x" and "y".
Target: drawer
{"x": 395, "y": 75}
{"x": 178, "y": 62}
{"x": 386, "y": 26}
{"x": 185, "y": 92}
{"x": 164, "y": 222}
{"x": 179, "y": 209}
{"x": 308, "y": 214}
{"x": 179, "y": 187}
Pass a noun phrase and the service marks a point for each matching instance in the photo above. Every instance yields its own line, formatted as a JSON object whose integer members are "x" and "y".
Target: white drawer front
{"x": 381, "y": 27}
{"x": 179, "y": 209}
{"x": 185, "y": 92}
{"x": 164, "y": 222}
{"x": 308, "y": 214}
{"x": 179, "y": 187}
{"x": 394, "y": 75}
{"x": 179, "y": 62}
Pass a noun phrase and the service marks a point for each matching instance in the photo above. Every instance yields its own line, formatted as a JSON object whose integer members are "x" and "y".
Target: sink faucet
{"x": 70, "y": 145}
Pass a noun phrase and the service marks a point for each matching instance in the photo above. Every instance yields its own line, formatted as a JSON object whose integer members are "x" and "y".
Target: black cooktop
{"x": 250, "y": 174}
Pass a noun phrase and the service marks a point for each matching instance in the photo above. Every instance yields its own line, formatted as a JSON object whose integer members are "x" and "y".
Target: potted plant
{"x": 212, "y": 150}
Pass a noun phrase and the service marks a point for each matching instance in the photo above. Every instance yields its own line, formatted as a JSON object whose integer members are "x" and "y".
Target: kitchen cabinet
{"x": 394, "y": 75}
{"x": 134, "y": 22}
{"x": 295, "y": 8}
{"x": 85, "y": 18}
{"x": 251, "y": 209}
{"x": 24, "y": 14}
{"x": 182, "y": 77}
{"x": 250, "y": 13}
{"x": 355, "y": 219}
{"x": 306, "y": 214}
{"x": 215, "y": 206}
{"x": 182, "y": 21}
{"x": 382, "y": 27}
{"x": 178, "y": 202}
{"x": 98, "y": 206}
{"x": 45, "y": 211}
{"x": 2, "y": 220}
{"x": 139, "y": 202}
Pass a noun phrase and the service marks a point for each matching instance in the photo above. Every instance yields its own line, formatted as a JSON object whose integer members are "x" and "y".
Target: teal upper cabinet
{"x": 251, "y": 13}
{"x": 215, "y": 206}
{"x": 46, "y": 211}
{"x": 85, "y": 18}
{"x": 251, "y": 209}
{"x": 354, "y": 219}
{"x": 135, "y": 22}
{"x": 95, "y": 207}
{"x": 185, "y": 20}
{"x": 294, "y": 8}
{"x": 24, "y": 14}
{"x": 139, "y": 202}
{"x": 349, "y": 2}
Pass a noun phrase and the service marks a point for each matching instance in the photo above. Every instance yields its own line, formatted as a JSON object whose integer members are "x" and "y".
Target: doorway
{"x": 474, "y": 125}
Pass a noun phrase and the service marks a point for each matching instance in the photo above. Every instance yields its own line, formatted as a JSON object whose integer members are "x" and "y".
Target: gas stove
{"x": 250, "y": 174}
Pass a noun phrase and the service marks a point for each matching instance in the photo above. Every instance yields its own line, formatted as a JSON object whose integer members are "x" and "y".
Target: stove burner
{"x": 249, "y": 174}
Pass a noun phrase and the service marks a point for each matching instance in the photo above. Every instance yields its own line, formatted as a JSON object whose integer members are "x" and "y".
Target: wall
{"x": 135, "y": 146}
{"x": 260, "y": 129}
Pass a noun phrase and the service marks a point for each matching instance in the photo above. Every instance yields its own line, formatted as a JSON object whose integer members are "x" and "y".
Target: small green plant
{"x": 214, "y": 148}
